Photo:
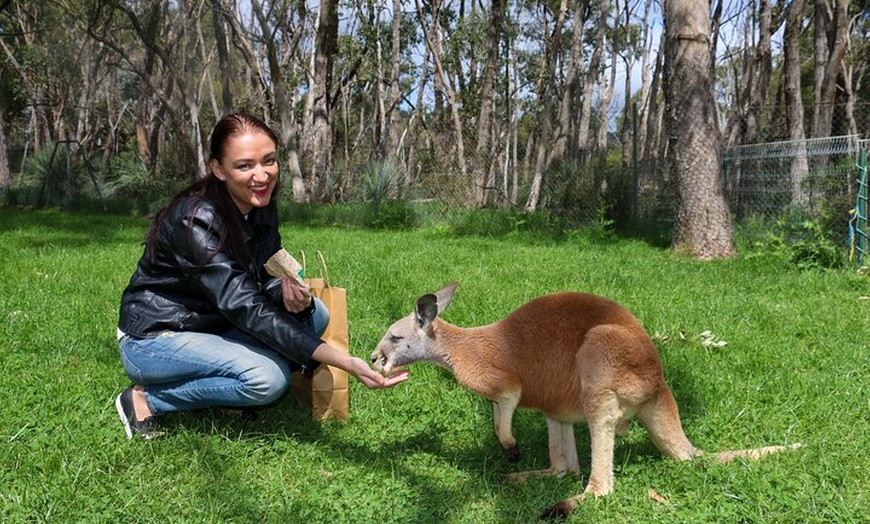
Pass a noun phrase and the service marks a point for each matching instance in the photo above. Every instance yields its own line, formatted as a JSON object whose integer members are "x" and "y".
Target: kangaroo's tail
{"x": 751, "y": 454}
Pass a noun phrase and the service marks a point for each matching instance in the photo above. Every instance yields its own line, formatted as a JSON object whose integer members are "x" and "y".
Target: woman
{"x": 201, "y": 322}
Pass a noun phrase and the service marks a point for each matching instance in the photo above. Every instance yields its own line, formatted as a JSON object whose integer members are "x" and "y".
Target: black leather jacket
{"x": 186, "y": 286}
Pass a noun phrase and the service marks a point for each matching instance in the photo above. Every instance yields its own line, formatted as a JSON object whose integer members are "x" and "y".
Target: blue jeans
{"x": 188, "y": 370}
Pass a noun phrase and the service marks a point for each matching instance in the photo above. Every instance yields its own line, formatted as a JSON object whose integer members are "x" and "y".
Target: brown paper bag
{"x": 326, "y": 392}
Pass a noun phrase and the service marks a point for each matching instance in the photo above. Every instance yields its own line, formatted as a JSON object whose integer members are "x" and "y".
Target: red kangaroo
{"x": 574, "y": 357}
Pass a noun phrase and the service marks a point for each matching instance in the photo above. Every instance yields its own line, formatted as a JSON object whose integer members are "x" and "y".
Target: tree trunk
{"x": 546, "y": 96}
{"x": 605, "y": 89}
{"x": 625, "y": 133}
{"x": 5, "y": 177}
{"x": 417, "y": 118}
{"x": 763, "y": 65}
{"x": 434, "y": 43}
{"x": 147, "y": 127}
{"x": 793, "y": 101}
{"x": 483, "y": 158}
{"x": 645, "y": 82}
{"x": 316, "y": 144}
{"x": 703, "y": 227}
{"x": 219, "y": 25}
{"x": 394, "y": 116}
{"x": 655, "y": 110}
{"x": 831, "y": 48}
{"x": 565, "y": 134}
{"x": 584, "y": 140}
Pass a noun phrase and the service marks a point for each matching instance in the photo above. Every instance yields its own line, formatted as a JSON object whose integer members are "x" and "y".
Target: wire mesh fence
{"x": 816, "y": 175}
{"x": 858, "y": 222}
{"x": 816, "y": 179}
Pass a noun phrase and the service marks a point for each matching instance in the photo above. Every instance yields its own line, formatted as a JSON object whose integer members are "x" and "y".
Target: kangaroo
{"x": 574, "y": 357}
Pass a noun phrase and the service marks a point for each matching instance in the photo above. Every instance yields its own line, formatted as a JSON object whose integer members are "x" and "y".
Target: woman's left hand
{"x": 374, "y": 380}
{"x": 296, "y": 297}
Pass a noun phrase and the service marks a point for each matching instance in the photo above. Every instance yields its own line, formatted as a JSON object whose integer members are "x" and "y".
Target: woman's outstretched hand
{"x": 357, "y": 367}
{"x": 372, "y": 379}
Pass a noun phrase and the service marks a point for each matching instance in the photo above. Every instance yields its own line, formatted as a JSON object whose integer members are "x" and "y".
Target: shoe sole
{"x": 127, "y": 428}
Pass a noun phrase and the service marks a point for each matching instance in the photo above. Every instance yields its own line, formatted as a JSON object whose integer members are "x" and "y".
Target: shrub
{"x": 800, "y": 240}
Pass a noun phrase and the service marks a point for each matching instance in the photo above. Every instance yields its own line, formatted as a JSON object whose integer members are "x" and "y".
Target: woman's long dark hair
{"x": 210, "y": 188}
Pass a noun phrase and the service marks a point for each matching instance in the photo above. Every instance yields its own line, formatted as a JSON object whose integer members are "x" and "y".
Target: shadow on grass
{"x": 481, "y": 466}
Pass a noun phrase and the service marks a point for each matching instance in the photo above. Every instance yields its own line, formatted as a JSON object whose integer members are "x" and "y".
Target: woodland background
{"x": 521, "y": 105}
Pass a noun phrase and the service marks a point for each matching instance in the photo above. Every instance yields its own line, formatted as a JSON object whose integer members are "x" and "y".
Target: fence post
{"x": 861, "y": 209}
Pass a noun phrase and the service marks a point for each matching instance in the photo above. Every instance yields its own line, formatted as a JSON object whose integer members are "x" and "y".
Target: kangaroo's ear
{"x": 426, "y": 310}
{"x": 445, "y": 295}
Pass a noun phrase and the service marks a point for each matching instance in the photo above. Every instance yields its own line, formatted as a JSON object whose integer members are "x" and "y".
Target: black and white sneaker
{"x": 146, "y": 429}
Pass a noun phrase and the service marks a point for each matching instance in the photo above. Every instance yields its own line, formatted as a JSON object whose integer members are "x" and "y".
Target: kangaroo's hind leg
{"x": 661, "y": 417}
{"x": 603, "y": 420}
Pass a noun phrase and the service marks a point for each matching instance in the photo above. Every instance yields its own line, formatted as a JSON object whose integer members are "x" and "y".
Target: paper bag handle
{"x": 323, "y": 270}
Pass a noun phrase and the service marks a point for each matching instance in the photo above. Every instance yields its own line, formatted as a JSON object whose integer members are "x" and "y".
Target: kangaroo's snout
{"x": 380, "y": 361}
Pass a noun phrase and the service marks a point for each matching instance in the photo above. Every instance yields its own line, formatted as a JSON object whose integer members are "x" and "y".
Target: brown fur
{"x": 574, "y": 357}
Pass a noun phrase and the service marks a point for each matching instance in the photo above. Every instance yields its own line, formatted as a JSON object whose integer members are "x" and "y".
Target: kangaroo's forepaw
{"x": 513, "y": 453}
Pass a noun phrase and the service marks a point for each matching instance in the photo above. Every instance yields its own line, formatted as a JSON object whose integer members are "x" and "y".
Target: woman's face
{"x": 249, "y": 168}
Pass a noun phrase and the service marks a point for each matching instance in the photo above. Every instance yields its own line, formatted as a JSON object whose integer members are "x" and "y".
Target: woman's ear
{"x": 215, "y": 167}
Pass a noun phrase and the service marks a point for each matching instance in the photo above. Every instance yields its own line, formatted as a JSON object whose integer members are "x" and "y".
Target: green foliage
{"x": 495, "y": 223}
{"x": 129, "y": 179}
{"x": 813, "y": 249}
{"x": 144, "y": 190}
{"x": 794, "y": 370}
{"x": 797, "y": 239}
{"x": 380, "y": 182}
{"x": 385, "y": 198}
{"x": 391, "y": 214}
{"x": 45, "y": 180}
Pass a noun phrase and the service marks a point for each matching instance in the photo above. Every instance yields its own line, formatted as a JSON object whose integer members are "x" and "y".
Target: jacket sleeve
{"x": 237, "y": 294}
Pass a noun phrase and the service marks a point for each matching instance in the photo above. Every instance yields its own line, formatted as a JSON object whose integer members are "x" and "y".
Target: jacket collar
{"x": 258, "y": 221}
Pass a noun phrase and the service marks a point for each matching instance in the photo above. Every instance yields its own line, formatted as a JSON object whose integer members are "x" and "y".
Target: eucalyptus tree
{"x": 270, "y": 40}
{"x": 564, "y": 143}
{"x": 52, "y": 84}
{"x": 752, "y": 69}
{"x": 832, "y": 26}
{"x": 596, "y": 64}
{"x": 545, "y": 95}
{"x": 5, "y": 177}
{"x": 793, "y": 95}
{"x": 156, "y": 41}
{"x": 38, "y": 47}
{"x": 7, "y": 95}
{"x": 703, "y": 225}
{"x": 315, "y": 146}
{"x": 484, "y": 162}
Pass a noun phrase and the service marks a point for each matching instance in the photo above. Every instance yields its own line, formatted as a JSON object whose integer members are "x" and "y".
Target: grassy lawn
{"x": 796, "y": 368}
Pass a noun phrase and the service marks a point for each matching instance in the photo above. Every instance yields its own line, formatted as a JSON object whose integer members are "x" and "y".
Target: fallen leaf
{"x": 656, "y": 497}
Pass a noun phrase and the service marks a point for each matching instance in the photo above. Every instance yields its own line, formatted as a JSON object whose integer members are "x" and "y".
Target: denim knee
{"x": 264, "y": 383}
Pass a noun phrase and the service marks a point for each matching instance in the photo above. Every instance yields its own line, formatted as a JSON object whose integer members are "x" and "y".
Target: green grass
{"x": 795, "y": 369}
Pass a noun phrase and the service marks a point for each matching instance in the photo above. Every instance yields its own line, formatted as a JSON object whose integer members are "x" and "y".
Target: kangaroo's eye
{"x": 395, "y": 339}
